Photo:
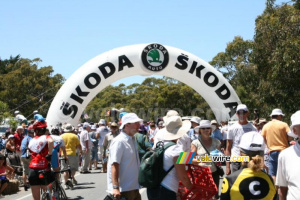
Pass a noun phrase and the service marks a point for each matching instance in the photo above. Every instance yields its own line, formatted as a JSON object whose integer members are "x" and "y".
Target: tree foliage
{"x": 265, "y": 71}
{"x": 151, "y": 99}
{"x": 26, "y": 87}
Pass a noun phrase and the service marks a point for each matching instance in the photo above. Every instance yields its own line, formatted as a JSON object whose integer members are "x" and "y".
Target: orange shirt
{"x": 275, "y": 133}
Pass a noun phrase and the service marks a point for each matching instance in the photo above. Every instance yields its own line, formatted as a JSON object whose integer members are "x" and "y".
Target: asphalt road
{"x": 90, "y": 186}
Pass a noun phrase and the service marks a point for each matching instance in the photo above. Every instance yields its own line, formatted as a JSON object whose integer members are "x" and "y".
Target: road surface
{"x": 90, "y": 186}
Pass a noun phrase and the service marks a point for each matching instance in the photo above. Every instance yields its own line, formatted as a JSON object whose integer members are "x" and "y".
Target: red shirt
{"x": 18, "y": 140}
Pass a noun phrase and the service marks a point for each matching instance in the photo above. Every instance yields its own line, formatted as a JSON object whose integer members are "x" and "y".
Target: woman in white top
{"x": 210, "y": 144}
{"x": 168, "y": 188}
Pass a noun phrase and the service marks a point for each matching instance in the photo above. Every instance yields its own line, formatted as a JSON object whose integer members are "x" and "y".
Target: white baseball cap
{"x": 86, "y": 124}
{"x": 295, "y": 118}
{"x": 102, "y": 121}
{"x": 242, "y": 107}
{"x": 214, "y": 122}
{"x": 11, "y": 136}
{"x": 276, "y": 111}
{"x": 129, "y": 118}
{"x": 252, "y": 143}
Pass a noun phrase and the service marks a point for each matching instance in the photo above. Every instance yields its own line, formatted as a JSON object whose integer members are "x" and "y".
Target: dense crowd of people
{"x": 119, "y": 147}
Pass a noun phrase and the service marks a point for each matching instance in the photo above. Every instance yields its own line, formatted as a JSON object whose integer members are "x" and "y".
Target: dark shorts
{"x": 3, "y": 180}
{"x": 160, "y": 193}
{"x": 235, "y": 166}
{"x": 34, "y": 179}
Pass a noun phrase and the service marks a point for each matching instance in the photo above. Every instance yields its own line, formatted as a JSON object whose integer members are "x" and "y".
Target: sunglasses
{"x": 241, "y": 112}
{"x": 205, "y": 128}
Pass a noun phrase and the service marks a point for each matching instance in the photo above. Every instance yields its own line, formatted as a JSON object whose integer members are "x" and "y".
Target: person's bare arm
{"x": 194, "y": 149}
{"x": 282, "y": 192}
{"x": 50, "y": 145}
{"x": 181, "y": 173}
{"x": 10, "y": 147}
{"x": 228, "y": 153}
{"x": 115, "y": 179}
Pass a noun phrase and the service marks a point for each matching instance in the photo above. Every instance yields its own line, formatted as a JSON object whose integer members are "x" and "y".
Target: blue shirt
{"x": 24, "y": 145}
{"x": 217, "y": 134}
{"x": 192, "y": 135}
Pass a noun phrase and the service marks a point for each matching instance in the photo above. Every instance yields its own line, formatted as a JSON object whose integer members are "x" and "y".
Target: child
{"x": 3, "y": 172}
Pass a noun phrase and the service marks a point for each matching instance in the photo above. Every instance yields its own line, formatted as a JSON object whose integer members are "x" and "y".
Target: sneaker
{"x": 74, "y": 181}
{"x": 86, "y": 172}
{"x": 26, "y": 187}
{"x": 66, "y": 187}
{"x": 70, "y": 184}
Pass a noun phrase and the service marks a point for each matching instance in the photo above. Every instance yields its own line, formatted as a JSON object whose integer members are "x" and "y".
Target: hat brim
{"x": 132, "y": 121}
{"x": 292, "y": 132}
{"x": 177, "y": 133}
{"x": 277, "y": 114}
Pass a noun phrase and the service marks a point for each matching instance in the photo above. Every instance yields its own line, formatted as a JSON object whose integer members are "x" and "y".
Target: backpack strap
{"x": 165, "y": 148}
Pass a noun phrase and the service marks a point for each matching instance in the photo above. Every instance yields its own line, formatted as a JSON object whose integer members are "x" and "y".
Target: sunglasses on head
{"x": 204, "y": 128}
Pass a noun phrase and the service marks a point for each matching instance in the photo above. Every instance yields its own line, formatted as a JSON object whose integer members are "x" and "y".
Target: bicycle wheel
{"x": 61, "y": 193}
{"x": 45, "y": 196}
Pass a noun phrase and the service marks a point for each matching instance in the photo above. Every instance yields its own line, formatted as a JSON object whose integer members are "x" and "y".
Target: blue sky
{"x": 66, "y": 34}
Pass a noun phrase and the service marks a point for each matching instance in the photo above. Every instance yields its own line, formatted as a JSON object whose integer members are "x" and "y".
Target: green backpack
{"x": 151, "y": 172}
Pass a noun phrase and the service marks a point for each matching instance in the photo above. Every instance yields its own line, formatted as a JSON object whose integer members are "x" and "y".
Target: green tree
{"x": 276, "y": 54}
{"x": 265, "y": 71}
{"x": 26, "y": 87}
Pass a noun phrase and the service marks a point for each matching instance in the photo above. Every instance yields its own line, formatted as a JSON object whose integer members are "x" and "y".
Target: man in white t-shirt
{"x": 288, "y": 176}
{"x": 86, "y": 144}
{"x": 234, "y": 135}
{"x": 102, "y": 131}
{"x": 123, "y": 162}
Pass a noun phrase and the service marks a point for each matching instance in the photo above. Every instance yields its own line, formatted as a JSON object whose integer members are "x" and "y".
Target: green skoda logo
{"x": 155, "y": 57}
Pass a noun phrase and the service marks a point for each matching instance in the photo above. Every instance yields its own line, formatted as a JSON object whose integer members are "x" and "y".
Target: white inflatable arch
{"x": 146, "y": 60}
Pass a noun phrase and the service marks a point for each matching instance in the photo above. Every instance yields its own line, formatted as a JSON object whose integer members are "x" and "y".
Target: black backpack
{"x": 151, "y": 172}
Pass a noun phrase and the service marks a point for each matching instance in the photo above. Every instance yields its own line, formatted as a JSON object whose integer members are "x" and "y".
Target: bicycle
{"x": 54, "y": 190}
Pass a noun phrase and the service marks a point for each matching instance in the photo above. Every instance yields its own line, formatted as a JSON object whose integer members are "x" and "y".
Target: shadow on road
{"x": 76, "y": 198}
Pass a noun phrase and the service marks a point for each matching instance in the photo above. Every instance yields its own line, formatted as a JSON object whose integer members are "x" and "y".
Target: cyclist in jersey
{"x": 250, "y": 182}
{"x": 58, "y": 143}
{"x": 40, "y": 147}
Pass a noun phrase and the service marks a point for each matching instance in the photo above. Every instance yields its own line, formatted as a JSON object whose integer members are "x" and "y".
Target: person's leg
{"x": 35, "y": 190}
{"x": 273, "y": 163}
{"x": 216, "y": 178}
{"x": 3, "y": 186}
{"x": 84, "y": 162}
{"x": 132, "y": 195}
{"x": 235, "y": 166}
{"x": 160, "y": 193}
{"x": 86, "y": 157}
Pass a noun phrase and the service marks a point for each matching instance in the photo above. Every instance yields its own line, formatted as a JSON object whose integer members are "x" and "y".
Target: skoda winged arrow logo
{"x": 155, "y": 57}
{"x": 154, "y": 54}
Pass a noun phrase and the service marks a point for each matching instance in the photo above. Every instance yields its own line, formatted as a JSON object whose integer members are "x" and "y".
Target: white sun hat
{"x": 175, "y": 128}
{"x": 169, "y": 114}
{"x": 295, "y": 118}
{"x": 277, "y": 111}
{"x": 129, "y": 118}
{"x": 196, "y": 120}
